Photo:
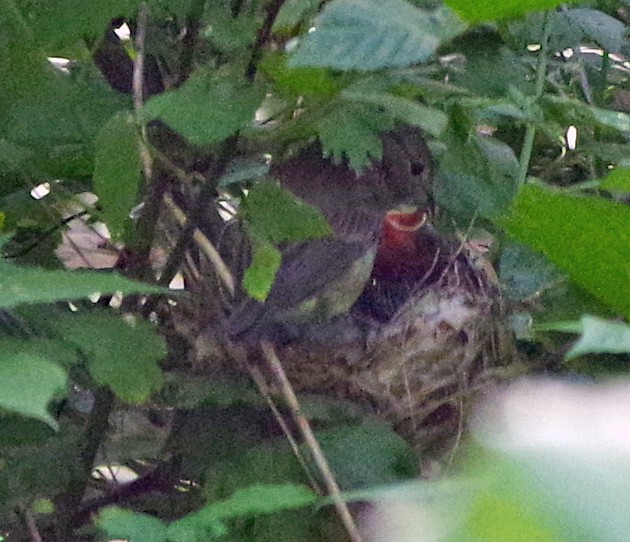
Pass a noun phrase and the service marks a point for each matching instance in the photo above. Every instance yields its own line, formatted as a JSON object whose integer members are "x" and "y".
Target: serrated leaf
{"x": 370, "y": 35}
{"x": 261, "y": 273}
{"x": 122, "y": 356}
{"x": 430, "y": 120}
{"x": 570, "y": 231}
{"x": 351, "y": 130}
{"x": 489, "y": 10}
{"x": 600, "y": 336}
{"x": 206, "y": 109}
{"x": 19, "y": 285}
{"x": 134, "y": 526}
{"x": 27, "y": 384}
{"x": 275, "y": 214}
{"x": 117, "y": 171}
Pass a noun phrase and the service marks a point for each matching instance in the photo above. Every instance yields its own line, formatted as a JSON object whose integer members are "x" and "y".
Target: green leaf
{"x": 600, "y": 336}
{"x": 304, "y": 81}
{"x": 370, "y": 35}
{"x": 477, "y": 177}
{"x": 261, "y": 273}
{"x": 489, "y": 10}
{"x": 121, "y": 355}
{"x": 525, "y": 273}
{"x": 618, "y": 180}
{"x": 350, "y": 129}
{"x": 291, "y": 14}
{"x": 132, "y": 526}
{"x": 570, "y": 231}
{"x": 24, "y": 68}
{"x": 259, "y": 499}
{"x": 228, "y": 33}
{"x": 613, "y": 119}
{"x": 430, "y": 120}
{"x": 606, "y": 31}
{"x": 275, "y": 214}
{"x": 62, "y": 22}
{"x": 367, "y": 455}
{"x": 206, "y": 109}
{"x": 20, "y": 285}
{"x": 60, "y": 122}
{"x": 117, "y": 171}
{"x": 28, "y": 383}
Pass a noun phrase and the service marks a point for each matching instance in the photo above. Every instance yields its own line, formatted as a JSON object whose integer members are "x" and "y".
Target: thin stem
{"x": 311, "y": 441}
{"x": 541, "y": 77}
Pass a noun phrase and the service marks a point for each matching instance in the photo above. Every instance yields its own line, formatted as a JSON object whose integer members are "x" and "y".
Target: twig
{"x": 310, "y": 440}
{"x": 263, "y": 388}
{"x": 541, "y": 76}
{"x": 220, "y": 267}
{"x": 31, "y": 526}
{"x": 261, "y": 39}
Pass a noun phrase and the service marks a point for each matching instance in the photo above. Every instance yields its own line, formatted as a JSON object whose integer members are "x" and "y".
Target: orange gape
{"x": 405, "y": 253}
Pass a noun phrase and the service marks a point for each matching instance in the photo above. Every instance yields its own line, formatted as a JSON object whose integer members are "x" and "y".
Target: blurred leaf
{"x": 367, "y": 455}
{"x": 525, "y": 273}
{"x": 260, "y": 499}
{"x": 291, "y": 14}
{"x": 120, "y": 355}
{"x": 477, "y": 177}
{"x": 32, "y": 285}
{"x": 298, "y": 81}
{"x": 597, "y": 336}
{"x": 606, "y": 31}
{"x": 60, "y": 122}
{"x": 489, "y": 10}
{"x": 24, "y": 68}
{"x": 28, "y": 383}
{"x": 244, "y": 169}
{"x": 256, "y": 500}
{"x": 350, "y": 130}
{"x": 570, "y": 232}
{"x": 228, "y": 33}
{"x": 117, "y": 171}
{"x": 370, "y": 35}
{"x": 62, "y": 22}
{"x": 133, "y": 526}
{"x": 612, "y": 119}
{"x": 275, "y": 214}
{"x": 206, "y": 109}
{"x": 261, "y": 273}
{"x": 618, "y": 180}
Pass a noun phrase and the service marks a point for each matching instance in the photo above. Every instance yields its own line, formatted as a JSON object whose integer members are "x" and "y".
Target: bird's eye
{"x": 417, "y": 168}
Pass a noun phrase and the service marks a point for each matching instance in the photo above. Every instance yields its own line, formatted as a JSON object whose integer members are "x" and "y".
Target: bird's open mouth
{"x": 406, "y": 220}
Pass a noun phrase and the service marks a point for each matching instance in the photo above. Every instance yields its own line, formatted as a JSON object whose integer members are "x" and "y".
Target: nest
{"x": 445, "y": 342}
{"x": 419, "y": 369}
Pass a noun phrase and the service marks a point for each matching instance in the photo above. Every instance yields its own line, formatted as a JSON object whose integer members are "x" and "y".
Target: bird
{"x": 321, "y": 280}
{"x": 410, "y": 254}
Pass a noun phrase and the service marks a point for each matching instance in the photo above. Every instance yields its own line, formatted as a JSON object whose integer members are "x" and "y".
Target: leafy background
{"x": 85, "y": 381}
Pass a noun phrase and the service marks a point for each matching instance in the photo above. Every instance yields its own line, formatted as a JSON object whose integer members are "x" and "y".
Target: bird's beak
{"x": 406, "y": 218}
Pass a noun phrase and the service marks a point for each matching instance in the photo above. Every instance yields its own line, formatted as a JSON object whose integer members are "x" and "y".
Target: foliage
{"x": 494, "y": 86}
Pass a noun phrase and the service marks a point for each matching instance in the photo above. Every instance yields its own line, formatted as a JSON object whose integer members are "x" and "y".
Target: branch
{"x": 310, "y": 440}
{"x": 541, "y": 77}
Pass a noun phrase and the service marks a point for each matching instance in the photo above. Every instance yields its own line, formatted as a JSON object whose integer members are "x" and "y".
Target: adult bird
{"x": 322, "y": 279}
